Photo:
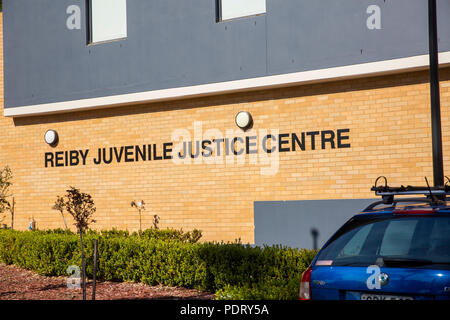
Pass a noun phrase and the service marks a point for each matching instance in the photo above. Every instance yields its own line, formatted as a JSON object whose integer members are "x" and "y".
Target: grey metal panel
{"x": 308, "y": 35}
{"x": 290, "y": 222}
{"x": 174, "y": 43}
{"x": 170, "y": 44}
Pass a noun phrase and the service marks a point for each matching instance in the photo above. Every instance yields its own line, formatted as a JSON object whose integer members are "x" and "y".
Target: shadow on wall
{"x": 237, "y": 98}
{"x": 302, "y": 224}
{"x": 315, "y": 237}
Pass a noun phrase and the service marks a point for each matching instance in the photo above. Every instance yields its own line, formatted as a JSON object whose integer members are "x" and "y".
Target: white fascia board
{"x": 414, "y": 63}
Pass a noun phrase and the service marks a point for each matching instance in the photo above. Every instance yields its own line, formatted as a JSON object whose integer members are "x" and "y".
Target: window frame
{"x": 89, "y": 30}
{"x": 219, "y": 13}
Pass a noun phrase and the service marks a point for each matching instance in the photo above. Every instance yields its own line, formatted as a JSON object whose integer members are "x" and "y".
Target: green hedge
{"x": 233, "y": 271}
{"x": 161, "y": 234}
{"x": 272, "y": 289}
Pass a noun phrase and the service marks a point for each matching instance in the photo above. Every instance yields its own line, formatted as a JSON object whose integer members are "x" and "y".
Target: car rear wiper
{"x": 439, "y": 262}
{"x": 349, "y": 264}
{"x": 408, "y": 262}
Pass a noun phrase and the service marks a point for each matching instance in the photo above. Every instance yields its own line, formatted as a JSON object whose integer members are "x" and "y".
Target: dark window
{"x": 418, "y": 241}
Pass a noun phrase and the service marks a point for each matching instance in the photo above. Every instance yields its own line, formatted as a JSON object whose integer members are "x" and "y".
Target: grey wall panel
{"x": 308, "y": 35}
{"x": 173, "y": 43}
{"x": 290, "y": 222}
{"x": 169, "y": 44}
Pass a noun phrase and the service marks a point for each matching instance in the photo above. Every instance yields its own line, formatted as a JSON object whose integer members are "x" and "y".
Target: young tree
{"x": 5, "y": 184}
{"x": 139, "y": 205}
{"x": 155, "y": 221}
{"x": 81, "y": 207}
{"x": 59, "y": 206}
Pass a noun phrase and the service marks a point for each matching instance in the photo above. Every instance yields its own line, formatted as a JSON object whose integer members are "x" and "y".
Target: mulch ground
{"x": 20, "y": 284}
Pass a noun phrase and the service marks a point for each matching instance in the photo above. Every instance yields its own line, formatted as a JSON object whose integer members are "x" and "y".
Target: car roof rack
{"x": 396, "y": 201}
{"x": 433, "y": 195}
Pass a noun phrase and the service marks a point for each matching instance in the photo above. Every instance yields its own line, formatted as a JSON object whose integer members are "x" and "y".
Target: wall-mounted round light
{"x": 244, "y": 120}
{"x": 51, "y": 137}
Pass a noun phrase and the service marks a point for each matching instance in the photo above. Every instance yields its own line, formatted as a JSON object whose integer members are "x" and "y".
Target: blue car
{"x": 396, "y": 249}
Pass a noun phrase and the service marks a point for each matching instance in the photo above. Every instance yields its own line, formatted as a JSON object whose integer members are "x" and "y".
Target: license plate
{"x": 383, "y": 297}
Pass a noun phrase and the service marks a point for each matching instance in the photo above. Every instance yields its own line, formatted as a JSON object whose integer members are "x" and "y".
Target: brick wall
{"x": 388, "y": 118}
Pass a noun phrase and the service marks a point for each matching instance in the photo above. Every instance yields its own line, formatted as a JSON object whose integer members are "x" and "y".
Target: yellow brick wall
{"x": 389, "y": 119}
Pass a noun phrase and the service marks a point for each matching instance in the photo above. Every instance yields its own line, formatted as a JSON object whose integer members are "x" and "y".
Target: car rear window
{"x": 362, "y": 242}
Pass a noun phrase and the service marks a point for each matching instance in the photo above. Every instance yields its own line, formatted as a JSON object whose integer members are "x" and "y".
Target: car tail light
{"x": 422, "y": 211}
{"x": 305, "y": 285}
